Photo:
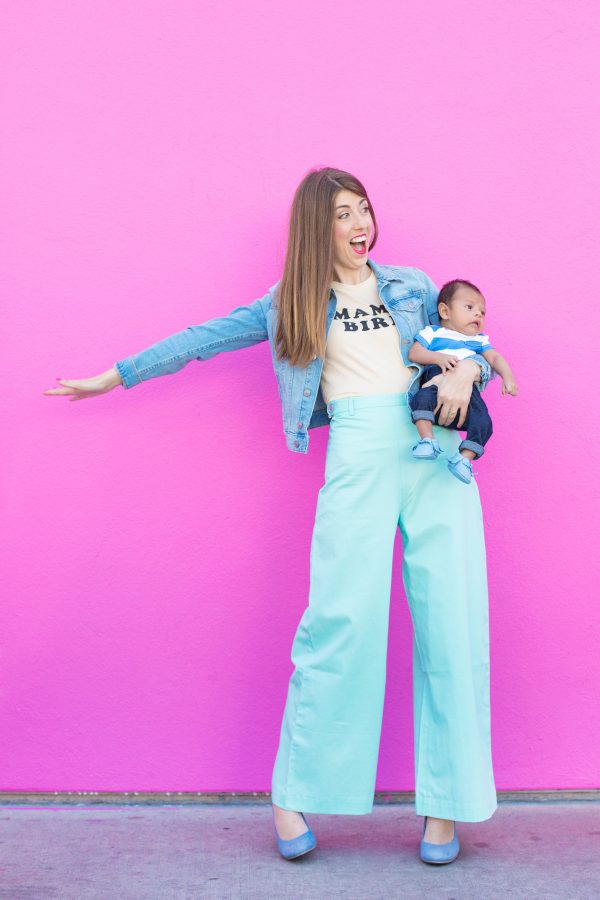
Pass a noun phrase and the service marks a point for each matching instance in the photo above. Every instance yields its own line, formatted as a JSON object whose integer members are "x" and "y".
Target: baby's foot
{"x": 427, "y": 448}
{"x": 461, "y": 468}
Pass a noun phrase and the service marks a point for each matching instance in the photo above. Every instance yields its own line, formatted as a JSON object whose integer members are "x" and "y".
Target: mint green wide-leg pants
{"x": 326, "y": 761}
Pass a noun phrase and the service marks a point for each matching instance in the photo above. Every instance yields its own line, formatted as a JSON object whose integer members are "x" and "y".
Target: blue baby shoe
{"x": 297, "y": 846}
{"x": 427, "y": 448}
{"x": 461, "y": 468}
{"x": 439, "y": 853}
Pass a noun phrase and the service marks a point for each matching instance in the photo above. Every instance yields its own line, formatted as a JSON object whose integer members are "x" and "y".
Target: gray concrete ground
{"x": 546, "y": 850}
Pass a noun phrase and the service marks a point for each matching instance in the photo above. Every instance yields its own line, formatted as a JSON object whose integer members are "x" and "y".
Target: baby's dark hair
{"x": 449, "y": 289}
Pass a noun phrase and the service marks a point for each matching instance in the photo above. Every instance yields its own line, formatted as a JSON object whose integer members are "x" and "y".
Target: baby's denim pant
{"x": 478, "y": 422}
{"x": 374, "y": 488}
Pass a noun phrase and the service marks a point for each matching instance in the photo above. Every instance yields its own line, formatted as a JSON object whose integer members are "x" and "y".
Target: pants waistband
{"x": 349, "y": 404}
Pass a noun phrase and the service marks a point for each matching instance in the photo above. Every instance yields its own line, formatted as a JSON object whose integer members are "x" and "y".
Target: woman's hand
{"x": 454, "y": 391}
{"x": 82, "y": 388}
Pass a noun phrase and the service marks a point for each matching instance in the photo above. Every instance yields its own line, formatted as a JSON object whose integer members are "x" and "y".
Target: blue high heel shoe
{"x": 297, "y": 846}
{"x": 439, "y": 853}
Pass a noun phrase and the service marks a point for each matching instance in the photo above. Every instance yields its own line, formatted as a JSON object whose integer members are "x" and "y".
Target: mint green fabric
{"x": 329, "y": 741}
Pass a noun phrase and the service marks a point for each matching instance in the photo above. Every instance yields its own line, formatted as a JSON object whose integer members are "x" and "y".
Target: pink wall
{"x": 156, "y": 543}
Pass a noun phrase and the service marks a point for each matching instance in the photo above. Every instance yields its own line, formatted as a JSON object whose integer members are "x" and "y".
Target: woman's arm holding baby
{"x": 499, "y": 365}
{"x": 454, "y": 383}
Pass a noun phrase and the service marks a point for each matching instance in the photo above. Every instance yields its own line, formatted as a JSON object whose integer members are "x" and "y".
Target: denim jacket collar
{"x": 383, "y": 274}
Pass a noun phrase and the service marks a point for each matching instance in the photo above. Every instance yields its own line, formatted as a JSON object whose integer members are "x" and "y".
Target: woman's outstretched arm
{"x": 242, "y": 327}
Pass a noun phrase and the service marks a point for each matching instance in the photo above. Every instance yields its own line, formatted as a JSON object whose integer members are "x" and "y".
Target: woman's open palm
{"x": 82, "y": 388}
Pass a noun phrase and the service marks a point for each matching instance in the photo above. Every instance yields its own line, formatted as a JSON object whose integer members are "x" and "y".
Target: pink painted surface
{"x": 155, "y": 544}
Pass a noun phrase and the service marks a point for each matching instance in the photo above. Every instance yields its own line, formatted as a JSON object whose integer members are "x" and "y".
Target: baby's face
{"x": 466, "y": 312}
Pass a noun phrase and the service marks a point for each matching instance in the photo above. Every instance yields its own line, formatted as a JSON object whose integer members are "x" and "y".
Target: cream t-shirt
{"x": 362, "y": 353}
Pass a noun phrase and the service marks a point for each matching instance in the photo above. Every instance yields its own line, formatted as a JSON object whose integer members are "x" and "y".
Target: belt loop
{"x": 350, "y": 406}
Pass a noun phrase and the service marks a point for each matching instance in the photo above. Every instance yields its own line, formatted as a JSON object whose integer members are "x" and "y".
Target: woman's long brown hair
{"x": 304, "y": 287}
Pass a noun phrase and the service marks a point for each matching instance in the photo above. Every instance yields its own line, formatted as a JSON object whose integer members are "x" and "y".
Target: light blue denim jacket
{"x": 408, "y": 294}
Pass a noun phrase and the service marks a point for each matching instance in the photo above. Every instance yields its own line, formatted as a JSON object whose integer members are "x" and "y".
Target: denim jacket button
{"x": 306, "y": 392}
{"x": 299, "y": 424}
{"x": 296, "y": 443}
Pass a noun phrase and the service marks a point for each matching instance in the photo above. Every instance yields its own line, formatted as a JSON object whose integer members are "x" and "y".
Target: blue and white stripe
{"x": 444, "y": 340}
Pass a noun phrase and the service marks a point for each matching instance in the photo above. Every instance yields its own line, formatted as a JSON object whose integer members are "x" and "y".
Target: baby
{"x": 461, "y": 307}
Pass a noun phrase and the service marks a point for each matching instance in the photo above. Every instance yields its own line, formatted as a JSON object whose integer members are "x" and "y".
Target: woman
{"x": 340, "y": 327}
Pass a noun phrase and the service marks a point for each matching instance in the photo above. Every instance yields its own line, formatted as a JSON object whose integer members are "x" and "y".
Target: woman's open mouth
{"x": 359, "y": 244}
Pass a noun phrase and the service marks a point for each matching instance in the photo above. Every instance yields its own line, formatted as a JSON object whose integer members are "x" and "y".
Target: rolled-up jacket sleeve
{"x": 242, "y": 327}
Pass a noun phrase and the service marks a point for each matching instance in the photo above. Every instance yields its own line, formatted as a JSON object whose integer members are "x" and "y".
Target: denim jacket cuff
{"x": 128, "y": 373}
{"x": 486, "y": 371}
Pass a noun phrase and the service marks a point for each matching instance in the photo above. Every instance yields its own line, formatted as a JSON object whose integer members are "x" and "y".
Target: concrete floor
{"x": 546, "y": 850}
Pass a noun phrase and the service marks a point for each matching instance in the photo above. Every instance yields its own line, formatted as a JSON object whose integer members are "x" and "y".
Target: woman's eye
{"x": 365, "y": 209}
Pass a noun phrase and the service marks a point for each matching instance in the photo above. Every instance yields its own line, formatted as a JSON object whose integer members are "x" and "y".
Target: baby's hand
{"x": 446, "y": 362}
{"x": 509, "y": 387}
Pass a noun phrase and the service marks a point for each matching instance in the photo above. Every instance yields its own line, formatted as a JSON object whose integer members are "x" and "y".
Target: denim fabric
{"x": 407, "y": 293}
{"x": 477, "y": 424}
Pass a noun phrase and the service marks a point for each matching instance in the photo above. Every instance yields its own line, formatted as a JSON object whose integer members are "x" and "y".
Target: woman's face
{"x": 352, "y": 232}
